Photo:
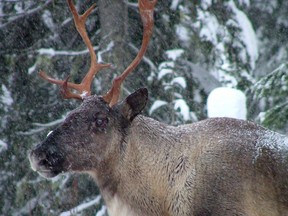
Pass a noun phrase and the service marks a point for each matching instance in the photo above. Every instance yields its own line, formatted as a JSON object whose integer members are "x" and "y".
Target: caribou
{"x": 218, "y": 166}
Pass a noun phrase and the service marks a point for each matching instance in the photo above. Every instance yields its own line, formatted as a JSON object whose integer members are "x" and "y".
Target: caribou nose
{"x": 38, "y": 161}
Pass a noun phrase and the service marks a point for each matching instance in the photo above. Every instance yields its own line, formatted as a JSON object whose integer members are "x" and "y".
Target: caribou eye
{"x": 99, "y": 122}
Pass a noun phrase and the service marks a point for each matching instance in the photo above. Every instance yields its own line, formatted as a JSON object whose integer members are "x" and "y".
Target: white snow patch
{"x": 102, "y": 211}
{"x": 227, "y": 102}
{"x": 47, "y": 19}
{"x": 50, "y": 132}
{"x": 44, "y": 51}
{"x": 182, "y": 33}
{"x": 32, "y": 69}
{"x": 156, "y": 105}
{"x": 166, "y": 64}
{"x": 101, "y": 52}
{"x": 3, "y": 146}
{"x": 19, "y": 8}
{"x": 163, "y": 72}
{"x": 248, "y": 35}
{"x": 261, "y": 116}
{"x": 180, "y": 81}
{"x": 181, "y": 105}
{"x": 205, "y": 4}
{"x": 174, "y": 54}
{"x": 210, "y": 26}
{"x": 164, "y": 69}
{"x": 223, "y": 77}
{"x": 174, "y": 4}
{"x": 6, "y": 97}
{"x": 51, "y": 52}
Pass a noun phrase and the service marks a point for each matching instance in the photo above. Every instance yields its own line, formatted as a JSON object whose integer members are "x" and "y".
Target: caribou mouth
{"x": 40, "y": 166}
{"x": 47, "y": 173}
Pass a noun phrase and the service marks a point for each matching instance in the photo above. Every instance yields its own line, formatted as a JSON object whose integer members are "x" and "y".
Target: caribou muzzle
{"x": 46, "y": 161}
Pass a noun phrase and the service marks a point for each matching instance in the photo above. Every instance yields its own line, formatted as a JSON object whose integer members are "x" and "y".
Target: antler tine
{"x": 84, "y": 88}
{"x": 80, "y": 21}
{"x": 146, "y": 8}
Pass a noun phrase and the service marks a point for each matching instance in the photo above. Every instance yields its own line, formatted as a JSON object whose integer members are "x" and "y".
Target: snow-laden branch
{"x": 3, "y": 146}
{"x": 102, "y": 211}
{"x": 6, "y": 97}
{"x": 174, "y": 4}
{"x": 27, "y": 13}
{"x": 50, "y": 124}
{"x": 52, "y": 52}
{"x": 247, "y": 34}
{"x": 41, "y": 127}
{"x": 82, "y": 207}
{"x": 31, "y": 132}
{"x": 156, "y": 105}
{"x": 130, "y": 4}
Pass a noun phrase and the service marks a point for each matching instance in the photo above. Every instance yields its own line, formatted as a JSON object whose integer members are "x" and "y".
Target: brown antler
{"x": 84, "y": 88}
{"x": 146, "y": 8}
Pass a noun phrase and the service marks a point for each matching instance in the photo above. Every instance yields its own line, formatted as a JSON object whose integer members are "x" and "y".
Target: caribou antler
{"x": 146, "y": 8}
{"x": 84, "y": 88}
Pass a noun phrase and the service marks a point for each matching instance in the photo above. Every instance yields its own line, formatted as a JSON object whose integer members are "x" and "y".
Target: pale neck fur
{"x": 147, "y": 148}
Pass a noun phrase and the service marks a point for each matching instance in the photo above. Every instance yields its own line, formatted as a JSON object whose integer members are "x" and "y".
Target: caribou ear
{"x": 131, "y": 106}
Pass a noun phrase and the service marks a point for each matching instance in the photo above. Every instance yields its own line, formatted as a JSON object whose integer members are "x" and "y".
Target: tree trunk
{"x": 114, "y": 25}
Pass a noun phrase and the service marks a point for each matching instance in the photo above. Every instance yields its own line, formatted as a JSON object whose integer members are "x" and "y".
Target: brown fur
{"x": 219, "y": 166}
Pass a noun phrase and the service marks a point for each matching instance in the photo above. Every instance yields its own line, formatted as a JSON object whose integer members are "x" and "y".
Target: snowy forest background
{"x": 196, "y": 47}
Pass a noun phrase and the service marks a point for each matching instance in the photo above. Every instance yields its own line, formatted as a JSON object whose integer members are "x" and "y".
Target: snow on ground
{"x": 227, "y": 102}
